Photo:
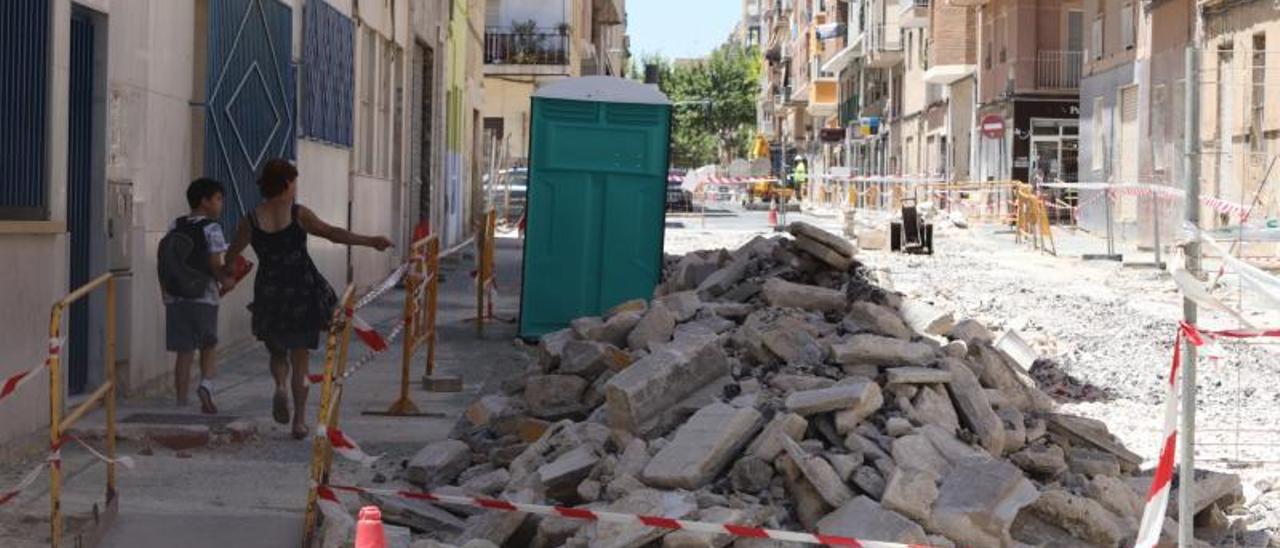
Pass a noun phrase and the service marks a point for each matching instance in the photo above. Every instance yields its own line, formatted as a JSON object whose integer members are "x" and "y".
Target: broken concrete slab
{"x": 897, "y": 427}
{"x": 1115, "y": 495}
{"x": 750, "y": 475}
{"x": 554, "y": 396}
{"x": 877, "y": 350}
{"x": 693, "y": 269}
{"x": 916, "y": 452}
{"x": 820, "y": 236}
{"x": 747, "y": 517}
{"x": 869, "y": 480}
{"x": 496, "y": 527}
{"x": 844, "y": 464}
{"x": 655, "y": 327}
{"x": 618, "y": 327}
{"x": 674, "y": 505}
{"x": 702, "y": 447}
{"x": 973, "y": 408}
{"x": 830, "y": 257}
{"x": 862, "y": 397}
{"x": 551, "y": 346}
{"x": 917, "y": 375}
{"x": 438, "y": 463}
{"x": 926, "y": 319}
{"x": 1091, "y": 432}
{"x": 1084, "y": 518}
{"x": 910, "y": 493}
{"x": 932, "y": 405}
{"x": 1018, "y": 388}
{"x": 633, "y": 305}
{"x": 783, "y": 294}
{"x": 1046, "y": 461}
{"x": 419, "y": 515}
{"x": 1091, "y": 462}
{"x": 978, "y": 501}
{"x": 724, "y": 279}
{"x": 683, "y": 305}
{"x": 792, "y": 346}
{"x": 562, "y": 475}
{"x": 769, "y": 443}
{"x": 819, "y": 473}
{"x": 654, "y": 383}
{"x": 588, "y": 359}
{"x": 881, "y": 320}
{"x": 492, "y": 408}
{"x": 808, "y": 503}
{"x": 970, "y": 331}
{"x": 862, "y": 518}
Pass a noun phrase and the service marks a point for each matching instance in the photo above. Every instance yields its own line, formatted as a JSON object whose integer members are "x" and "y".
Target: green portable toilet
{"x": 598, "y": 155}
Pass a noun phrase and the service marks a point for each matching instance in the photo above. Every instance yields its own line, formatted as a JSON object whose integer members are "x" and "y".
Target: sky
{"x": 680, "y": 28}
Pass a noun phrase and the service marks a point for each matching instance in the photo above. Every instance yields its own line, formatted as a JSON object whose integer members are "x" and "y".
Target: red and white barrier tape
{"x": 1161, "y": 483}
{"x": 26, "y": 481}
{"x": 345, "y": 446}
{"x": 55, "y": 459}
{"x": 367, "y": 334}
{"x": 330, "y": 505}
{"x": 16, "y": 381}
{"x": 317, "y": 378}
{"x": 387, "y": 283}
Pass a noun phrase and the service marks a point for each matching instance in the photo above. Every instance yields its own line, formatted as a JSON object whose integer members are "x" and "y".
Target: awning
{"x": 841, "y": 59}
{"x": 828, "y": 31}
{"x": 948, "y": 74}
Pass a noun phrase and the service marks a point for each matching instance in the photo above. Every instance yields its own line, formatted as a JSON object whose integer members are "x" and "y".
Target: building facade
{"x": 122, "y": 103}
{"x": 529, "y": 44}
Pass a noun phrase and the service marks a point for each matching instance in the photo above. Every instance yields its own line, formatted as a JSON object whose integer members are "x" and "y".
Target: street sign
{"x": 993, "y": 126}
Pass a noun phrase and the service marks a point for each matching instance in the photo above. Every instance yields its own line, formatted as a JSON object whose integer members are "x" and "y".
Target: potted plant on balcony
{"x": 563, "y": 29}
{"x": 525, "y": 41}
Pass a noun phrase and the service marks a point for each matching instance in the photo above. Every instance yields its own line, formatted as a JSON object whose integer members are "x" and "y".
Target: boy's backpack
{"x": 182, "y": 259}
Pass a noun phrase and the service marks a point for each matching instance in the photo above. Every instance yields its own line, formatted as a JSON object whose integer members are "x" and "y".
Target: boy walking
{"x": 192, "y": 279}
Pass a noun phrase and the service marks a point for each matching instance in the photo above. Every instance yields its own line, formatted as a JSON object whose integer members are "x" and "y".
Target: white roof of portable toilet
{"x": 604, "y": 89}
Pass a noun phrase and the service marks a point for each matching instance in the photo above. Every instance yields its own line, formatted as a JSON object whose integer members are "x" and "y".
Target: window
{"x": 381, "y": 134}
{"x": 1099, "y": 144}
{"x": 1258, "y": 77}
{"x": 327, "y": 66}
{"x": 368, "y": 73}
{"x": 1095, "y": 39}
{"x": 1128, "y": 32}
{"x": 23, "y": 86}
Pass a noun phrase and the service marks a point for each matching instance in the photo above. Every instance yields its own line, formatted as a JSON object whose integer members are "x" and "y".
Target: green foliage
{"x": 715, "y": 115}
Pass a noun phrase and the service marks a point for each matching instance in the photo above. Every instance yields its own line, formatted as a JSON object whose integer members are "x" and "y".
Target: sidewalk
{"x": 252, "y": 493}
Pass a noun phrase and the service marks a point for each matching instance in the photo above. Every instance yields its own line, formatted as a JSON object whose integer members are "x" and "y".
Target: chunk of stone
{"x": 655, "y": 327}
{"x": 971, "y": 331}
{"x": 880, "y": 320}
{"x": 1015, "y": 428}
{"x": 819, "y": 473}
{"x": 418, "y": 515}
{"x": 1091, "y": 432}
{"x": 1041, "y": 460}
{"x": 717, "y": 514}
{"x": 818, "y": 235}
{"x": 683, "y": 305}
{"x": 589, "y": 490}
{"x": 792, "y": 346}
{"x": 588, "y": 327}
{"x": 492, "y": 408}
{"x": 809, "y": 506}
{"x": 702, "y": 447}
{"x": 932, "y": 405}
{"x": 956, "y": 349}
{"x": 973, "y": 408}
{"x": 618, "y": 327}
{"x": 844, "y": 464}
{"x": 862, "y": 518}
{"x": 823, "y": 253}
{"x": 562, "y": 475}
{"x": 917, "y": 375}
{"x": 634, "y": 457}
{"x": 916, "y": 452}
{"x": 897, "y": 427}
{"x": 781, "y": 293}
{"x": 496, "y": 527}
{"x": 750, "y": 475}
{"x": 658, "y": 381}
{"x": 693, "y": 269}
{"x": 648, "y": 502}
{"x": 553, "y": 396}
{"x": 1092, "y": 463}
{"x": 926, "y": 319}
{"x": 862, "y": 396}
{"x": 910, "y": 493}
{"x": 868, "y": 448}
{"x": 551, "y": 346}
{"x": 789, "y": 383}
{"x": 588, "y": 359}
{"x": 877, "y": 350}
{"x": 489, "y": 483}
{"x": 1115, "y": 495}
{"x": 978, "y": 501}
{"x": 724, "y": 279}
{"x": 869, "y": 480}
{"x": 1000, "y": 373}
{"x": 554, "y": 531}
{"x": 438, "y": 463}
{"x": 1084, "y": 518}
{"x": 768, "y": 444}
{"x": 633, "y": 305}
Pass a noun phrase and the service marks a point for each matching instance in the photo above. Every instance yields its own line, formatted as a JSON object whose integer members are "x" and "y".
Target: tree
{"x": 715, "y": 113}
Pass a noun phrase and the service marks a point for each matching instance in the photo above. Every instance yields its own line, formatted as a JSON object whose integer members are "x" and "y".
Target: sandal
{"x": 280, "y": 408}
{"x": 206, "y": 401}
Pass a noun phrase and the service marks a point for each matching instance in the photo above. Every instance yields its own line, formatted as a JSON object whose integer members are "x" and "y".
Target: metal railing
{"x": 849, "y": 110}
{"x": 540, "y": 47}
{"x": 904, "y": 5}
{"x": 1058, "y": 69}
{"x": 883, "y": 38}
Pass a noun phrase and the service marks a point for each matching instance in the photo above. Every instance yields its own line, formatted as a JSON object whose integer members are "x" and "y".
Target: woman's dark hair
{"x": 276, "y": 176}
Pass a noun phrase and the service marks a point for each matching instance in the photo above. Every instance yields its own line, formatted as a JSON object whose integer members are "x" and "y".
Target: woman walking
{"x": 292, "y": 302}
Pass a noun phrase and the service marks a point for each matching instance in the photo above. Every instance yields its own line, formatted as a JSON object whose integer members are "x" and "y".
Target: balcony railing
{"x": 1058, "y": 69}
{"x": 909, "y": 4}
{"x": 848, "y": 110}
{"x": 541, "y": 47}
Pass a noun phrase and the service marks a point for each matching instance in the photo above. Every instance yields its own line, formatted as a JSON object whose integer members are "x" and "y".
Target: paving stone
{"x": 956, "y": 349}
{"x": 916, "y": 452}
{"x": 917, "y": 375}
{"x": 862, "y": 518}
{"x": 1084, "y": 518}
{"x": 658, "y": 381}
{"x": 978, "y": 501}
{"x": 588, "y": 327}
{"x": 655, "y": 327}
{"x": 808, "y": 503}
{"x": 862, "y": 396}
{"x": 869, "y": 480}
{"x": 973, "y": 407}
{"x": 683, "y": 305}
{"x": 769, "y": 443}
{"x": 618, "y": 327}
{"x": 489, "y": 483}
{"x": 877, "y": 350}
{"x": 792, "y": 346}
{"x": 496, "y": 527}
{"x": 1115, "y": 495}
{"x": 829, "y": 256}
{"x": 702, "y": 447}
{"x": 554, "y": 396}
{"x": 880, "y": 320}
{"x": 1085, "y": 432}
{"x": 644, "y": 501}
{"x": 932, "y": 405}
{"x": 818, "y": 235}
{"x": 819, "y": 473}
{"x": 421, "y": 516}
{"x": 1041, "y": 460}
{"x": 789, "y": 383}
{"x": 562, "y": 475}
{"x": 438, "y": 463}
{"x": 588, "y": 359}
{"x": 693, "y": 269}
{"x": 491, "y": 408}
{"x": 783, "y": 294}
{"x": 722, "y": 280}
{"x": 926, "y": 319}
{"x": 910, "y": 493}
{"x": 1092, "y": 463}
{"x": 844, "y": 464}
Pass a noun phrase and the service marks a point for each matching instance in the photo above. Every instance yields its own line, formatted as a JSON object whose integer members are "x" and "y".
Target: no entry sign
{"x": 993, "y": 126}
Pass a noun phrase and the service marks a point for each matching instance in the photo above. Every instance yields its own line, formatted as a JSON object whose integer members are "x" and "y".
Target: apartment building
{"x": 116, "y": 105}
{"x": 748, "y": 32}
{"x": 799, "y": 108}
{"x": 528, "y": 44}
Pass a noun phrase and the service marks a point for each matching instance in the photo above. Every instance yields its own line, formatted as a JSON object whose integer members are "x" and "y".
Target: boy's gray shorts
{"x": 190, "y": 326}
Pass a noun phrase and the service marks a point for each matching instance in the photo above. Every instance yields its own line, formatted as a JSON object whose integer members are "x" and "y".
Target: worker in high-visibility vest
{"x": 799, "y": 177}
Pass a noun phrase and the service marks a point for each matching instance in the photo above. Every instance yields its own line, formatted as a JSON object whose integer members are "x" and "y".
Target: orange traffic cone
{"x": 773, "y": 212}
{"x": 369, "y": 533}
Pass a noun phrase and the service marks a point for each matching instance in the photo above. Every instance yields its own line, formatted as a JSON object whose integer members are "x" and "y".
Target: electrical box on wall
{"x": 119, "y": 224}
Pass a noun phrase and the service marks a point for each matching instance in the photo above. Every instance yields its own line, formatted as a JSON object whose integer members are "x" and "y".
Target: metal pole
{"x": 1155, "y": 227}
{"x": 1186, "y": 447}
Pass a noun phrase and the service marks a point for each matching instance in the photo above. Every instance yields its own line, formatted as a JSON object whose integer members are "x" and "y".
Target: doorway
{"x": 422, "y": 164}
{"x": 1055, "y": 154}
{"x": 86, "y": 187}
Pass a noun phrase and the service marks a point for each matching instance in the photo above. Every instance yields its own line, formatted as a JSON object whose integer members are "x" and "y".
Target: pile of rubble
{"x": 780, "y": 385}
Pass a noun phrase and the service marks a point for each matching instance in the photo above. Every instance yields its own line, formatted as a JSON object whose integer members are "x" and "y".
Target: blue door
{"x": 80, "y": 200}
{"x": 250, "y": 108}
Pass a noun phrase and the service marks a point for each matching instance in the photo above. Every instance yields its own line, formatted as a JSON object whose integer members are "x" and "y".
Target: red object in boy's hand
{"x": 241, "y": 267}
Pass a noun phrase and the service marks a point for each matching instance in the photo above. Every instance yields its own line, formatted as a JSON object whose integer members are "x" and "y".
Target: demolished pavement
{"x": 783, "y": 385}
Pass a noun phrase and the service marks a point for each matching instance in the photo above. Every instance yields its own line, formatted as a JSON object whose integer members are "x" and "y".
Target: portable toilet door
{"x": 598, "y": 158}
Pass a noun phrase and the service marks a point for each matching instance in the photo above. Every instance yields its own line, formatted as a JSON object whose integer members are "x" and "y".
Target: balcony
{"x": 1058, "y": 69}
{"x": 913, "y": 14}
{"x": 849, "y": 110}
{"x": 824, "y": 97}
{"x": 513, "y": 48}
{"x": 883, "y": 45}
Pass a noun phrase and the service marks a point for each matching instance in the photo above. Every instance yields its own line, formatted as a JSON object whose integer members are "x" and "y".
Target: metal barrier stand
{"x": 484, "y": 270}
{"x": 335, "y": 355}
{"x": 104, "y": 394}
{"x": 421, "y": 289}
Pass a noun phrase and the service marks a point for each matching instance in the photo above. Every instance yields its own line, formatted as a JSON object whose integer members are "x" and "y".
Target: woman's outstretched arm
{"x": 315, "y": 226}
